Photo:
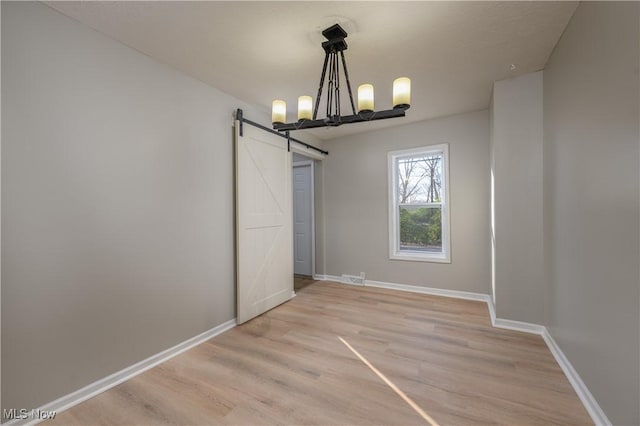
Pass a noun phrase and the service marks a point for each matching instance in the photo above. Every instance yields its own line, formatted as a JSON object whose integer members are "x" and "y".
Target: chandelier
{"x": 307, "y": 118}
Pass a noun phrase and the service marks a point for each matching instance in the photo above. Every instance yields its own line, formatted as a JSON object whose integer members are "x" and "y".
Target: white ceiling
{"x": 260, "y": 51}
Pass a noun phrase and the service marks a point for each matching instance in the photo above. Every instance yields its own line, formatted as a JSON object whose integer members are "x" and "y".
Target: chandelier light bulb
{"x": 305, "y": 105}
{"x": 278, "y": 112}
{"x": 401, "y": 92}
{"x": 365, "y": 98}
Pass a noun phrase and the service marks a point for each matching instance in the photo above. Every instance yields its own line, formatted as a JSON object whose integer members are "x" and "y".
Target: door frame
{"x": 311, "y": 164}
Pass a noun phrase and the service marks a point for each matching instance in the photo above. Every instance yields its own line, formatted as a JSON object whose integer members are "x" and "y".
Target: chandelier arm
{"x": 337, "y": 65}
{"x": 346, "y": 76}
{"x": 330, "y": 87}
{"x": 324, "y": 71}
{"x": 331, "y": 111}
{"x": 331, "y": 107}
{"x": 356, "y": 118}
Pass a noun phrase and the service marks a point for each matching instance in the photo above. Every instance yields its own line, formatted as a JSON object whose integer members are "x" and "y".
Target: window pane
{"x": 421, "y": 229}
{"x": 420, "y": 179}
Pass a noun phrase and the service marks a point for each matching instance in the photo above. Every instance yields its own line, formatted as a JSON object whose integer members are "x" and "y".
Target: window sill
{"x": 420, "y": 257}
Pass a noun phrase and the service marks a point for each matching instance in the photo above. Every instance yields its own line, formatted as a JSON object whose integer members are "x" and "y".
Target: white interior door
{"x": 263, "y": 222}
{"x": 302, "y": 219}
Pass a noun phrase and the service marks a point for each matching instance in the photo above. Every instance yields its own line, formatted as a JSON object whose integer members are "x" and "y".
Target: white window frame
{"x": 394, "y": 219}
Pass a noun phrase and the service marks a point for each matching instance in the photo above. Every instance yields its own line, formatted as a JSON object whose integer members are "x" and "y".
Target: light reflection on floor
{"x": 389, "y": 383}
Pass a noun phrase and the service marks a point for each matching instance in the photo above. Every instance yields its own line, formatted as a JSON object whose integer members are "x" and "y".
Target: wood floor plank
{"x": 288, "y": 366}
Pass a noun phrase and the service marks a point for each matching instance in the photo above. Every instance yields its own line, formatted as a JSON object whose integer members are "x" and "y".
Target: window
{"x": 419, "y": 204}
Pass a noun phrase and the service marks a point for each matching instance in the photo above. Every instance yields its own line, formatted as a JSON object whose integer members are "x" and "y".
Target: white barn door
{"x": 263, "y": 222}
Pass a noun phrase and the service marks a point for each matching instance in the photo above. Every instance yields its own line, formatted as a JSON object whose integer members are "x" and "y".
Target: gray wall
{"x": 516, "y": 161}
{"x": 0, "y": 229}
{"x": 117, "y": 196}
{"x": 592, "y": 201}
{"x": 356, "y": 204}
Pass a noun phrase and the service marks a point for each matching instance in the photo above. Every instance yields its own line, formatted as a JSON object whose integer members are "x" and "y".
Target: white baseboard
{"x": 327, "y": 278}
{"x": 593, "y": 408}
{"x": 410, "y": 288}
{"x": 525, "y": 327}
{"x": 591, "y": 405}
{"x": 115, "y": 379}
{"x": 428, "y": 290}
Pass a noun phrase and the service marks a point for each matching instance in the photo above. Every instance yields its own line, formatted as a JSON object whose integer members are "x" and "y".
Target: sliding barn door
{"x": 263, "y": 222}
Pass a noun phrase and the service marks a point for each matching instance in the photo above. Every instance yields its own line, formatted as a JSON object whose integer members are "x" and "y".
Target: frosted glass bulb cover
{"x": 305, "y": 106}
{"x": 365, "y": 98}
{"x": 401, "y": 92}
{"x": 278, "y": 112}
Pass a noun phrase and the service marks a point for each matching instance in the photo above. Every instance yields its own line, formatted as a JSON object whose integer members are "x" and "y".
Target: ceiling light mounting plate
{"x": 335, "y": 36}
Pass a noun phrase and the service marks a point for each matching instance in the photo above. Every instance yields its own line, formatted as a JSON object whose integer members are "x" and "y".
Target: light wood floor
{"x": 301, "y": 281}
{"x": 288, "y": 366}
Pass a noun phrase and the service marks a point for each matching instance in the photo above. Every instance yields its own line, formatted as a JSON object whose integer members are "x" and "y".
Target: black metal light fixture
{"x": 334, "y": 46}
